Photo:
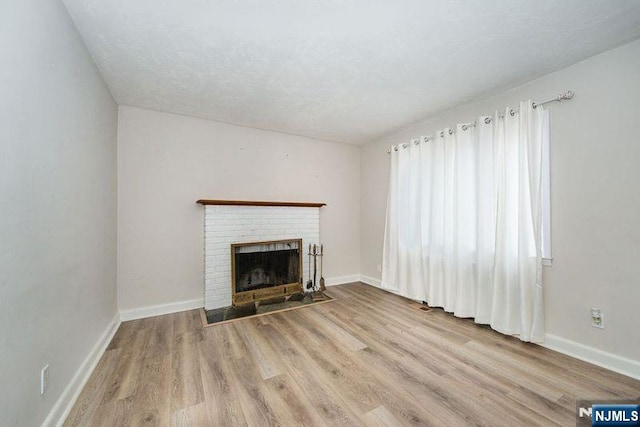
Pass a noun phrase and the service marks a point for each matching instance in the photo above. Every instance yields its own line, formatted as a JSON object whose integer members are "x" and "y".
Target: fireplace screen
{"x": 265, "y": 269}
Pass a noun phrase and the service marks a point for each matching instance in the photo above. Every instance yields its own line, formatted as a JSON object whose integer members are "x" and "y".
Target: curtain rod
{"x": 564, "y": 96}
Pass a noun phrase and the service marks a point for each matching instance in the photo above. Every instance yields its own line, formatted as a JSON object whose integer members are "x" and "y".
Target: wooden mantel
{"x": 254, "y": 203}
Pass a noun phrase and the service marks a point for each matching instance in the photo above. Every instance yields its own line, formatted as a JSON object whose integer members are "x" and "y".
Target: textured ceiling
{"x": 340, "y": 70}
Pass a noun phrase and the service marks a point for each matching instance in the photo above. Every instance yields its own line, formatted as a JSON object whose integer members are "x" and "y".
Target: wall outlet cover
{"x": 596, "y": 318}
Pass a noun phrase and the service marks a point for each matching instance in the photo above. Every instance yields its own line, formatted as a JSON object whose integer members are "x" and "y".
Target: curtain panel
{"x": 463, "y": 224}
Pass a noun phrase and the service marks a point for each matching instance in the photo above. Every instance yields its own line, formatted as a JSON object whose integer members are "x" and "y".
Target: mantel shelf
{"x": 255, "y": 203}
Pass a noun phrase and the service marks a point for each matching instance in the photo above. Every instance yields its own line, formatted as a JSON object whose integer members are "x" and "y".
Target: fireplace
{"x": 264, "y": 270}
{"x": 228, "y": 222}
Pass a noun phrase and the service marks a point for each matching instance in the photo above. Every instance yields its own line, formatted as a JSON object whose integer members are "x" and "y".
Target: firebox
{"x": 265, "y": 270}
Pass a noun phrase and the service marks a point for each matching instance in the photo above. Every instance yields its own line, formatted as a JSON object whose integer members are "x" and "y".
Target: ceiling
{"x": 340, "y": 70}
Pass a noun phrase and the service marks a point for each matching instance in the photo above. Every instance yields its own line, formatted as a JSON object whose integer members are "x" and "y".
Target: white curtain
{"x": 463, "y": 227}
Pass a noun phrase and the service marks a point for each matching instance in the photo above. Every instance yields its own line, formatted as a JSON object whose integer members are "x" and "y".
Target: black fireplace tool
{"x": 309, "y": 282}
{"x": 318, "y": 288}
{"x": 315, "y": 266}
{"x": 322, "y": 285}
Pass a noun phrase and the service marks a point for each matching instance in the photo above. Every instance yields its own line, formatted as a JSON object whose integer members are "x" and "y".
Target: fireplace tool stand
{"x": 317, "y": 287}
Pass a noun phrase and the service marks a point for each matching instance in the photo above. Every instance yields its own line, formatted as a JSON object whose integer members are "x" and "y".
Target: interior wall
{"x": 166, "y": 162}
{"x": 595, "y": 197}
{"x": 57, "y": 206}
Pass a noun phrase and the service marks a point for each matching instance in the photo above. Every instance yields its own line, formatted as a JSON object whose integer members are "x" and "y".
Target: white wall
{"x": 166, "y": 162}
{"x": 57, "y": 206}
{"x": 595, "y": 150}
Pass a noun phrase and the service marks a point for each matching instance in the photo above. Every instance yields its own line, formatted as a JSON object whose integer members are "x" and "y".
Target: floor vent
{"x": 421, "y": 306}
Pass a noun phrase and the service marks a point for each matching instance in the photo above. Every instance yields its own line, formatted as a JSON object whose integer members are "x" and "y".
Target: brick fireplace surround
{"x": 227, "y": 222}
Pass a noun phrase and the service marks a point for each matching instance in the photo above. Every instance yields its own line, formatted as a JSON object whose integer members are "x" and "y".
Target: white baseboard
{"x": 340, "y": 280}
{"x": 67, "y": 399}
{"x": 371, "y": 281}
{"x": 613, "y": 362}
{"x": 158, "y": 310}
{"x": 378, "y": 284}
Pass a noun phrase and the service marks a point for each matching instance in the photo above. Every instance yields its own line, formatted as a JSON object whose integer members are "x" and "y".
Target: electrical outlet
{"x": 596, "y": 318}
{"x": 44, "y": 380}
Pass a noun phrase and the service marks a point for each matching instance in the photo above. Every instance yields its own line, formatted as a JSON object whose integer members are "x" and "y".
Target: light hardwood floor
{"x": 368, "y": 358}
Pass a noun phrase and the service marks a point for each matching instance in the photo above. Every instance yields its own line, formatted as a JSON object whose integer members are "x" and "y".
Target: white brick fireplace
{"x": 227, "y": 222}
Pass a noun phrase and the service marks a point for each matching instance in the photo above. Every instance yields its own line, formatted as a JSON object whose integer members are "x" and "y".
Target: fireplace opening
{"x": 263, "y": 270}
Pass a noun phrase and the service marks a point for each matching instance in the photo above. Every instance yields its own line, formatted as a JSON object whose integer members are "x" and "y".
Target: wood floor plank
{"x": 293, "y": 402}
{"x": 485, "y": 363}
{"x": 115, "y": 413}
{"x": 381, "y": 417}
{"x": 186, "y": 379}
{"x": 190, "y": 416}
{"x": 347, "y": 381}
{"x": 345, "y": 366}
{"x": 221, "y": 403}
{"x": 316, "y": 386}
{"x": 151, "y": 403}
{"x": 160, "y": 336}
{"x": 250, "y": 392}
{"x": 119, "y": 384}
{"x": 340, "y": 336}
{"x": 265, "y": 356}
{"x": 245, "y": 380}
{"x": 91, "y": 396}
{"x": 368, "y": 358}
{"x": 186, "y": 321}
{"x": 123, "y": 334}
{"x": 554, "y": 412}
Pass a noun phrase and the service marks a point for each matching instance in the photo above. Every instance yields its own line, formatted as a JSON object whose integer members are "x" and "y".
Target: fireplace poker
{"x": 322, "y": 285}
{"x": 309, "y": 282}
{"x": 315, "y": 266}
